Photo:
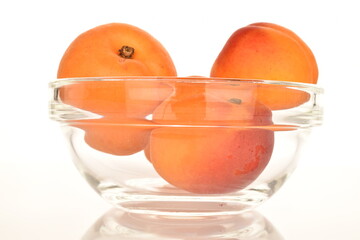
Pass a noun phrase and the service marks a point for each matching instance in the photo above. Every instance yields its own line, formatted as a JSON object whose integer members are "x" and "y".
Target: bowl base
{"x": 117, "y": 224}
{"x": 165, "y": 200}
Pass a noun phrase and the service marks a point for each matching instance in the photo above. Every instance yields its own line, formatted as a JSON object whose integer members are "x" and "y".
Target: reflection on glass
{"x": 120, "y": 225}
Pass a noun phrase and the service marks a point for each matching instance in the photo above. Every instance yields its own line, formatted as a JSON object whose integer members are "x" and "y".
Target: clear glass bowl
{"x": 185, "y": 146}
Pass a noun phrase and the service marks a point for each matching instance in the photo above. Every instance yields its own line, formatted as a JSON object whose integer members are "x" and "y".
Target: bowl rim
{"x": 213, "y": 80}
{"x": 309, "y": 117}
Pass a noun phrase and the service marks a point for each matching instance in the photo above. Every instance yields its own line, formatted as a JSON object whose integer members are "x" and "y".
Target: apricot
{"x": 211, "y": 147}
{"x": 210, "y": 160}
{"x": 205, "y": 109}
{"x": 116, "y": 137}
{"x": 120, "y": 51}
{"x": 309, "y": 54}
{"x": 270, "y": 52}
{"x": 127, "y": 99}
{"x": 115, "y": 49}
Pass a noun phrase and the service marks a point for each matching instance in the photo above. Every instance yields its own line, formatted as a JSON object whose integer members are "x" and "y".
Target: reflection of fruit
{"x": 114, "y": 50}
{"x": 115, "y": 136}
{"x": 210, "y": 159}
{"x": 271, "y": 52}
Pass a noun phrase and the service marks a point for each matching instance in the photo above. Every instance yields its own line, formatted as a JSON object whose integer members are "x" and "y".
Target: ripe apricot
{"x": 115, "y": 49}
{"x": 309, "y": 54}
{"x": 124, "y": 98}
{"x": 196, "y": 154}
{"x": 210, "y": 160}
{"x": 116, "y": 137}
{"x": 271, "y": 52}
{"x": 122, "y": 51}
{"x": 207, "y": 110}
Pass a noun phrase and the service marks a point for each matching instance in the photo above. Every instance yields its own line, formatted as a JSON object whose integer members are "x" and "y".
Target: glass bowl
{"x": 185, "y": 146}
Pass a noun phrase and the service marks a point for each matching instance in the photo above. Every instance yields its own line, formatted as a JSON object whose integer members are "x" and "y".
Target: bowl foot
{"x": 160, "y": 198}
{"x": 118, "y": 224}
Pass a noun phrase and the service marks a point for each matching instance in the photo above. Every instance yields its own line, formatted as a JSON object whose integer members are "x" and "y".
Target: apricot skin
{"x": 116, "y": 137}
{"x": 309, "y": 54}
{"x": 95, "y": 53}
{"x": 212, "y": 159}
{"x": 269, "y": 52}
{"x": 126, "y": 99}
{"x": 207, "y": 110}
{"x": 98, "y": 53}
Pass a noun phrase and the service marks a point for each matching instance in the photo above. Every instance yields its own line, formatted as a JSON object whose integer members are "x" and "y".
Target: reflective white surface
{"x": 116, "y": 224}
{"x": 42, "y": 195}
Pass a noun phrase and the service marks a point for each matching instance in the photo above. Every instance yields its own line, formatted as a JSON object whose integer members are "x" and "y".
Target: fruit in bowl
{"x": 268, "y": 51}
{"x": 209, "y": 160}
{"x": 143, "y": 137}
{"x": 108, "y": 50}
{"x": 213, "y": 158}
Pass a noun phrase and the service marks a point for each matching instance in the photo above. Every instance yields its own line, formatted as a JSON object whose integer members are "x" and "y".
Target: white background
{"x": 36, "y": 172}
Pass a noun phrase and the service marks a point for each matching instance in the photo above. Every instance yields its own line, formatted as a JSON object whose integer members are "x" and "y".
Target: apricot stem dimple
{"x": 126, "y": 51}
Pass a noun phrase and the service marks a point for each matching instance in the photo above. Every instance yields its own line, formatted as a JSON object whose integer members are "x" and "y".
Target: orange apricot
{"x": 309, "y": 54}
{"x": 210, "y": 160}
{"x": 207, "y": 110}
{"x": 270, "y": 52}
{"x": 124, "y": 98}
{"x": 115, "y": 49}
{"x": 211, "y": 147}
{"x": 116, "y": 136}
{"x": 120, "y": 51}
